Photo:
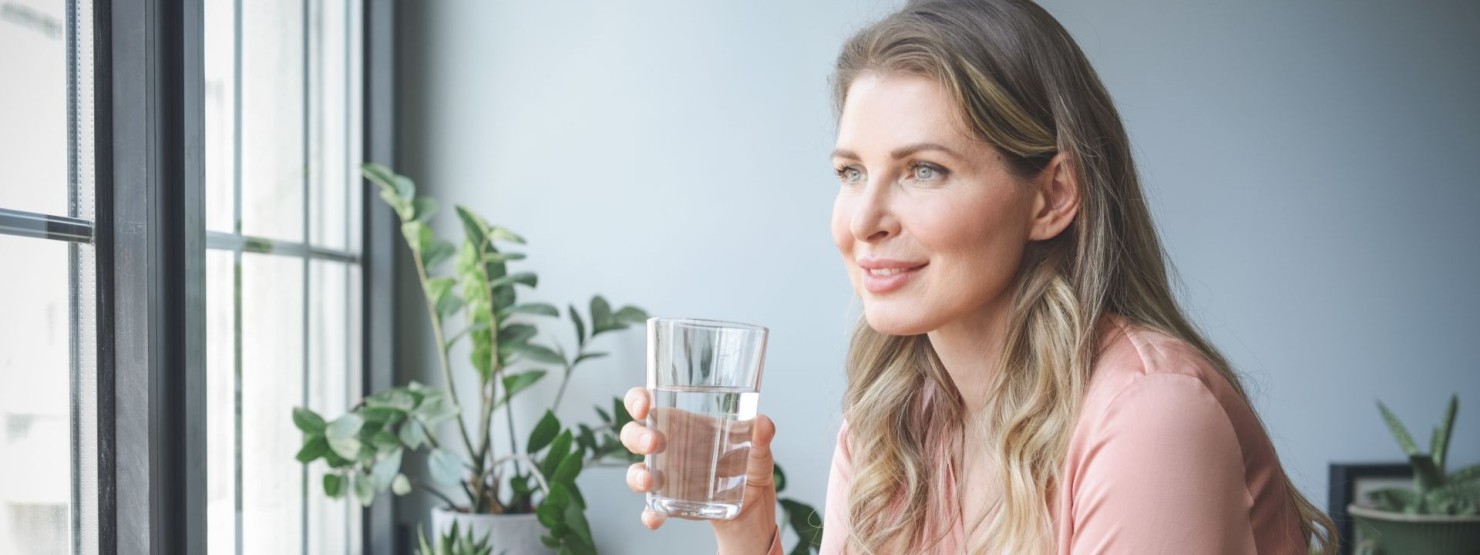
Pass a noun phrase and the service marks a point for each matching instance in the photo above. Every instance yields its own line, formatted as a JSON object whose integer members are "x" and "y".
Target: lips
{"x": 884, "y": 276}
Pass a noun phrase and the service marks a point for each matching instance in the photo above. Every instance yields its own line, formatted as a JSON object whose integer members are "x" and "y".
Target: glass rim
{"x": 705, "y": 323}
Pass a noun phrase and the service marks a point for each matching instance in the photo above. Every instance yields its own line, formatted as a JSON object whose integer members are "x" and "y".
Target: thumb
{"x": 759, "y": 469}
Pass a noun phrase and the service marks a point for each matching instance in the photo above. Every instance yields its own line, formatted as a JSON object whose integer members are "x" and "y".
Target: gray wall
{"x": 1311, "y": 166}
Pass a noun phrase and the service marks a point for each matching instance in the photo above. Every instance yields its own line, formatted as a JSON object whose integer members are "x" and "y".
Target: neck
{"x": 971, "y": 350}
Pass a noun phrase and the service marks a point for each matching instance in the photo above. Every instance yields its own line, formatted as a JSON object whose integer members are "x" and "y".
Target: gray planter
{"x": 1402, "y": 534}
{"x": 509, "y": 534}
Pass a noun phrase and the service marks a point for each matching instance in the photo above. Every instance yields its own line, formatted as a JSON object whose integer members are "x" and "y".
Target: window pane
{"x": 35, "y": 400}
{"x": 272, "y": 384}
{"x": 328, "y": 122}
{"x": 331, "y": 294}
{"x": 273, "y": 159}
{"x": 220, "y": 113}
{"x": 33, "y": 84}
{"x": 221, "y": 379}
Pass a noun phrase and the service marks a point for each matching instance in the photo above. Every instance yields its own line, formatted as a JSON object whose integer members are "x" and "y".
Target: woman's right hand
{"x": 749, "y": 532}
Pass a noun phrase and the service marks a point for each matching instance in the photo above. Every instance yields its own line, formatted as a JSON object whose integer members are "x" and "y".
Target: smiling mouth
{"x": 886, "y": 272}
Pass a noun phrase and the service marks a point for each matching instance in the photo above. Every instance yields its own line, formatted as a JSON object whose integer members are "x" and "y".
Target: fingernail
{"x": 647, "y": 440}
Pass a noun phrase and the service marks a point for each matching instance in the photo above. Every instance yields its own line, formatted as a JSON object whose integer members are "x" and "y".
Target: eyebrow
{"x": 900, "y": 152}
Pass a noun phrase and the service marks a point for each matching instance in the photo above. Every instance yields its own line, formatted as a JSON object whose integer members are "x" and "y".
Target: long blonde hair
{"x": 1027, "y": 89}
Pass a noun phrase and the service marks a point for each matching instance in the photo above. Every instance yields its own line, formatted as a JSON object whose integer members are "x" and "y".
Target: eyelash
{"x": 940, "y": 172}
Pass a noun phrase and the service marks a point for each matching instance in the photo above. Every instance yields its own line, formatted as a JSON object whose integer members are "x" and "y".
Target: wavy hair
{"x": 1024, "y": 87}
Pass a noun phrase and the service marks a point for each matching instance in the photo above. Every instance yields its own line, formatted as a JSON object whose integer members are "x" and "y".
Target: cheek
{"x": 842, "y": 236}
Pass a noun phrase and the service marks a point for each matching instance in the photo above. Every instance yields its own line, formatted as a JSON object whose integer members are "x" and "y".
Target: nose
{"x": 873, "y": 217}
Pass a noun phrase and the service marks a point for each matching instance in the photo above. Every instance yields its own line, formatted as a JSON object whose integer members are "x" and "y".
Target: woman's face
{"x": 930, "y": 223}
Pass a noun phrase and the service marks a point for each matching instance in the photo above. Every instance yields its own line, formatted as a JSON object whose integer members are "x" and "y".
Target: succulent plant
{"x": 1435, "y": 491}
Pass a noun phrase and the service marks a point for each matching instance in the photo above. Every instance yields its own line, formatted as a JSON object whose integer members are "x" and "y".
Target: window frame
{"x": 151, "y": 242}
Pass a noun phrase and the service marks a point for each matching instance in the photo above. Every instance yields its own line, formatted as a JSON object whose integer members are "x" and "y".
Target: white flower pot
{"x": 510, "y": 534}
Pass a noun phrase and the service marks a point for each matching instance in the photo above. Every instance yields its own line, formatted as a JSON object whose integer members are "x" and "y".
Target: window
{"x": 183, "y": 257}
{"x": 283, "y": 200}
{"x": 48, "y": 470}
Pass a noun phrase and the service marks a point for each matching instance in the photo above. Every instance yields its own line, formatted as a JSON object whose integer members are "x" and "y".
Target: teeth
{"x": 887, "y": 271}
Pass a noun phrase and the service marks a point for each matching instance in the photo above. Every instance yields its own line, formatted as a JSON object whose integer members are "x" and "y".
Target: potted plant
{"x": 523, "y": 498}
{"x": 1439, "y": 514}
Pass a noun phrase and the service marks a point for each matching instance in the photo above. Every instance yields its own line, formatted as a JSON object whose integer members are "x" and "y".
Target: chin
{"x": 889, "y": 321}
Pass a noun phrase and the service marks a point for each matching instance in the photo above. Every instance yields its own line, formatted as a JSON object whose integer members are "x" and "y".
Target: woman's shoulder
{"x": 1130, "y": 352}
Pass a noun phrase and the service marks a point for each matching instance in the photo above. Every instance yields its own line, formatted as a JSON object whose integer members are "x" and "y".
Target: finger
{"x": 637, "y": 402}
{"x": 760, "y": 468}
{"x": 651, "y": 519}
{"x": 639, "y": 439}
{"x": 639, "y": 479}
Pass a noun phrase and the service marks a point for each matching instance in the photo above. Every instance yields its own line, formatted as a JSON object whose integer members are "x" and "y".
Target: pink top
{"x": 1165, "y": 458}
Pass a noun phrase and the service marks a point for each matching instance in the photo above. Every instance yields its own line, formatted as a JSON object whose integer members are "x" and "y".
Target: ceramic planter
{"x": 517, "y": 534}
{"x": 1401, "y": 533}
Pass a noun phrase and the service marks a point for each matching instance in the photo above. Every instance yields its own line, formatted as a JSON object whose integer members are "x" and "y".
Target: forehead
{"x": 887, "y": 110}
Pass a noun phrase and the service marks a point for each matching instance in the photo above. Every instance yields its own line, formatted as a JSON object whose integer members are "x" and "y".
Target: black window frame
{"x": 150, "y": 240}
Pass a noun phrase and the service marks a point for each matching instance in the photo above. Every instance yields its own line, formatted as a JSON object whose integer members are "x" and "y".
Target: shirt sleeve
{"x": 1164, "y": 473}
{"x": 835, "y": 523}
{"x": 835, "y": 513}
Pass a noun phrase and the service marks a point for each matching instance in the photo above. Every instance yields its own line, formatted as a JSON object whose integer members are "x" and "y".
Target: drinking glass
{"x": 704, "y": 377}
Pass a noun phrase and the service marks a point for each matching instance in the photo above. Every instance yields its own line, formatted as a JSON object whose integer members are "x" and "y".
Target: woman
{"x": 1023, "y": 380}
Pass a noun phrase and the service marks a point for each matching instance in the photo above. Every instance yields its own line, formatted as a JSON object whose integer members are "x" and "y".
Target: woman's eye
{"x": 926, "y": 172}
{"x": 850, "y": 174}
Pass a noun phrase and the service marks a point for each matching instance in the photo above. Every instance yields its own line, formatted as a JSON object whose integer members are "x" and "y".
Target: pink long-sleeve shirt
{"x": 1165, "y": 458}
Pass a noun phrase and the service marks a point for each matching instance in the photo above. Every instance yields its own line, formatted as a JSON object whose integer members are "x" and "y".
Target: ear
{"x": 1055, "y": 199}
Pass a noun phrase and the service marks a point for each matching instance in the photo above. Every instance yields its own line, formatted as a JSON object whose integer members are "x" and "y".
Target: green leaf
{"x": 605, "y": 416}
{"x": 516, "y": 333}
{"x": 448, "y": 305}
{"x": 588, "y": 356}
{"x": 445, "y": 467}
{"x": 778, "y": 477}
{"x": 418, "y": 236}
{"x": 400, "y": 485}
{"x": 580, "y": 326}
{"x": 542, "y": 309}
{"x": 524, "y": 278}
{"x": 344, "y": 427}
{"x": 423, "y": 208}
{"x": 505, "y": 235}
{"x": 412, "y": 435}
{"x": 514, "y": 383}
{"x": 619, "y": 411}
{"x": 804, "y": 520}
{"x": 343, "y": 436}
{"x": 439, "y": 251}
{"x": 475, "y": 228}
{"x": 504, "y": 256}
{"x": 308, "y": 421}
{"x": 395, "y": 189}
{"x": 549, "y": 512}
{"x": 387, "y": 468}
{"x": 364, "y": 489}
{"x": 1442, "y": 435}
{"x": 632, "y": 315}
{"x": 383, "y": 415}
{"x": 316, "y": 447}
{"x": 1399, "y": 432}
{"x": 333, "y": 485}
{"x": 539, "y": 353}
{"x": 601, "y": 316}
{"x": 1425, "y": 473}
{"x": 543, "y": 432}
{"x": 559, "y": 449}
{"x": 566, "y": 472}
{"x": 1465, "y": 474}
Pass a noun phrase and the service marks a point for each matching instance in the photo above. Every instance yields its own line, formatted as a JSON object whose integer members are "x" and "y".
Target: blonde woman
{"x": 1023, "y": 380}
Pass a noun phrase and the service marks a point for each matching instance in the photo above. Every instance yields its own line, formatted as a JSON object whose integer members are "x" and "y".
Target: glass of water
{"x": 704, "y": 377}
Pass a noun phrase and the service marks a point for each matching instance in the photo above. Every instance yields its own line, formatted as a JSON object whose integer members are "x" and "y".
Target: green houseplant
{"x": 1438, "y": 515}
{"x": 363, "y": 448}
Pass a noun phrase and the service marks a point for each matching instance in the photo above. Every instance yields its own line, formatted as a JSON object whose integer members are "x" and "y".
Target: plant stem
{"x": 421, "y": 273}
{"x": 429, "y": 489}
{"x": 563, "y": 380}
